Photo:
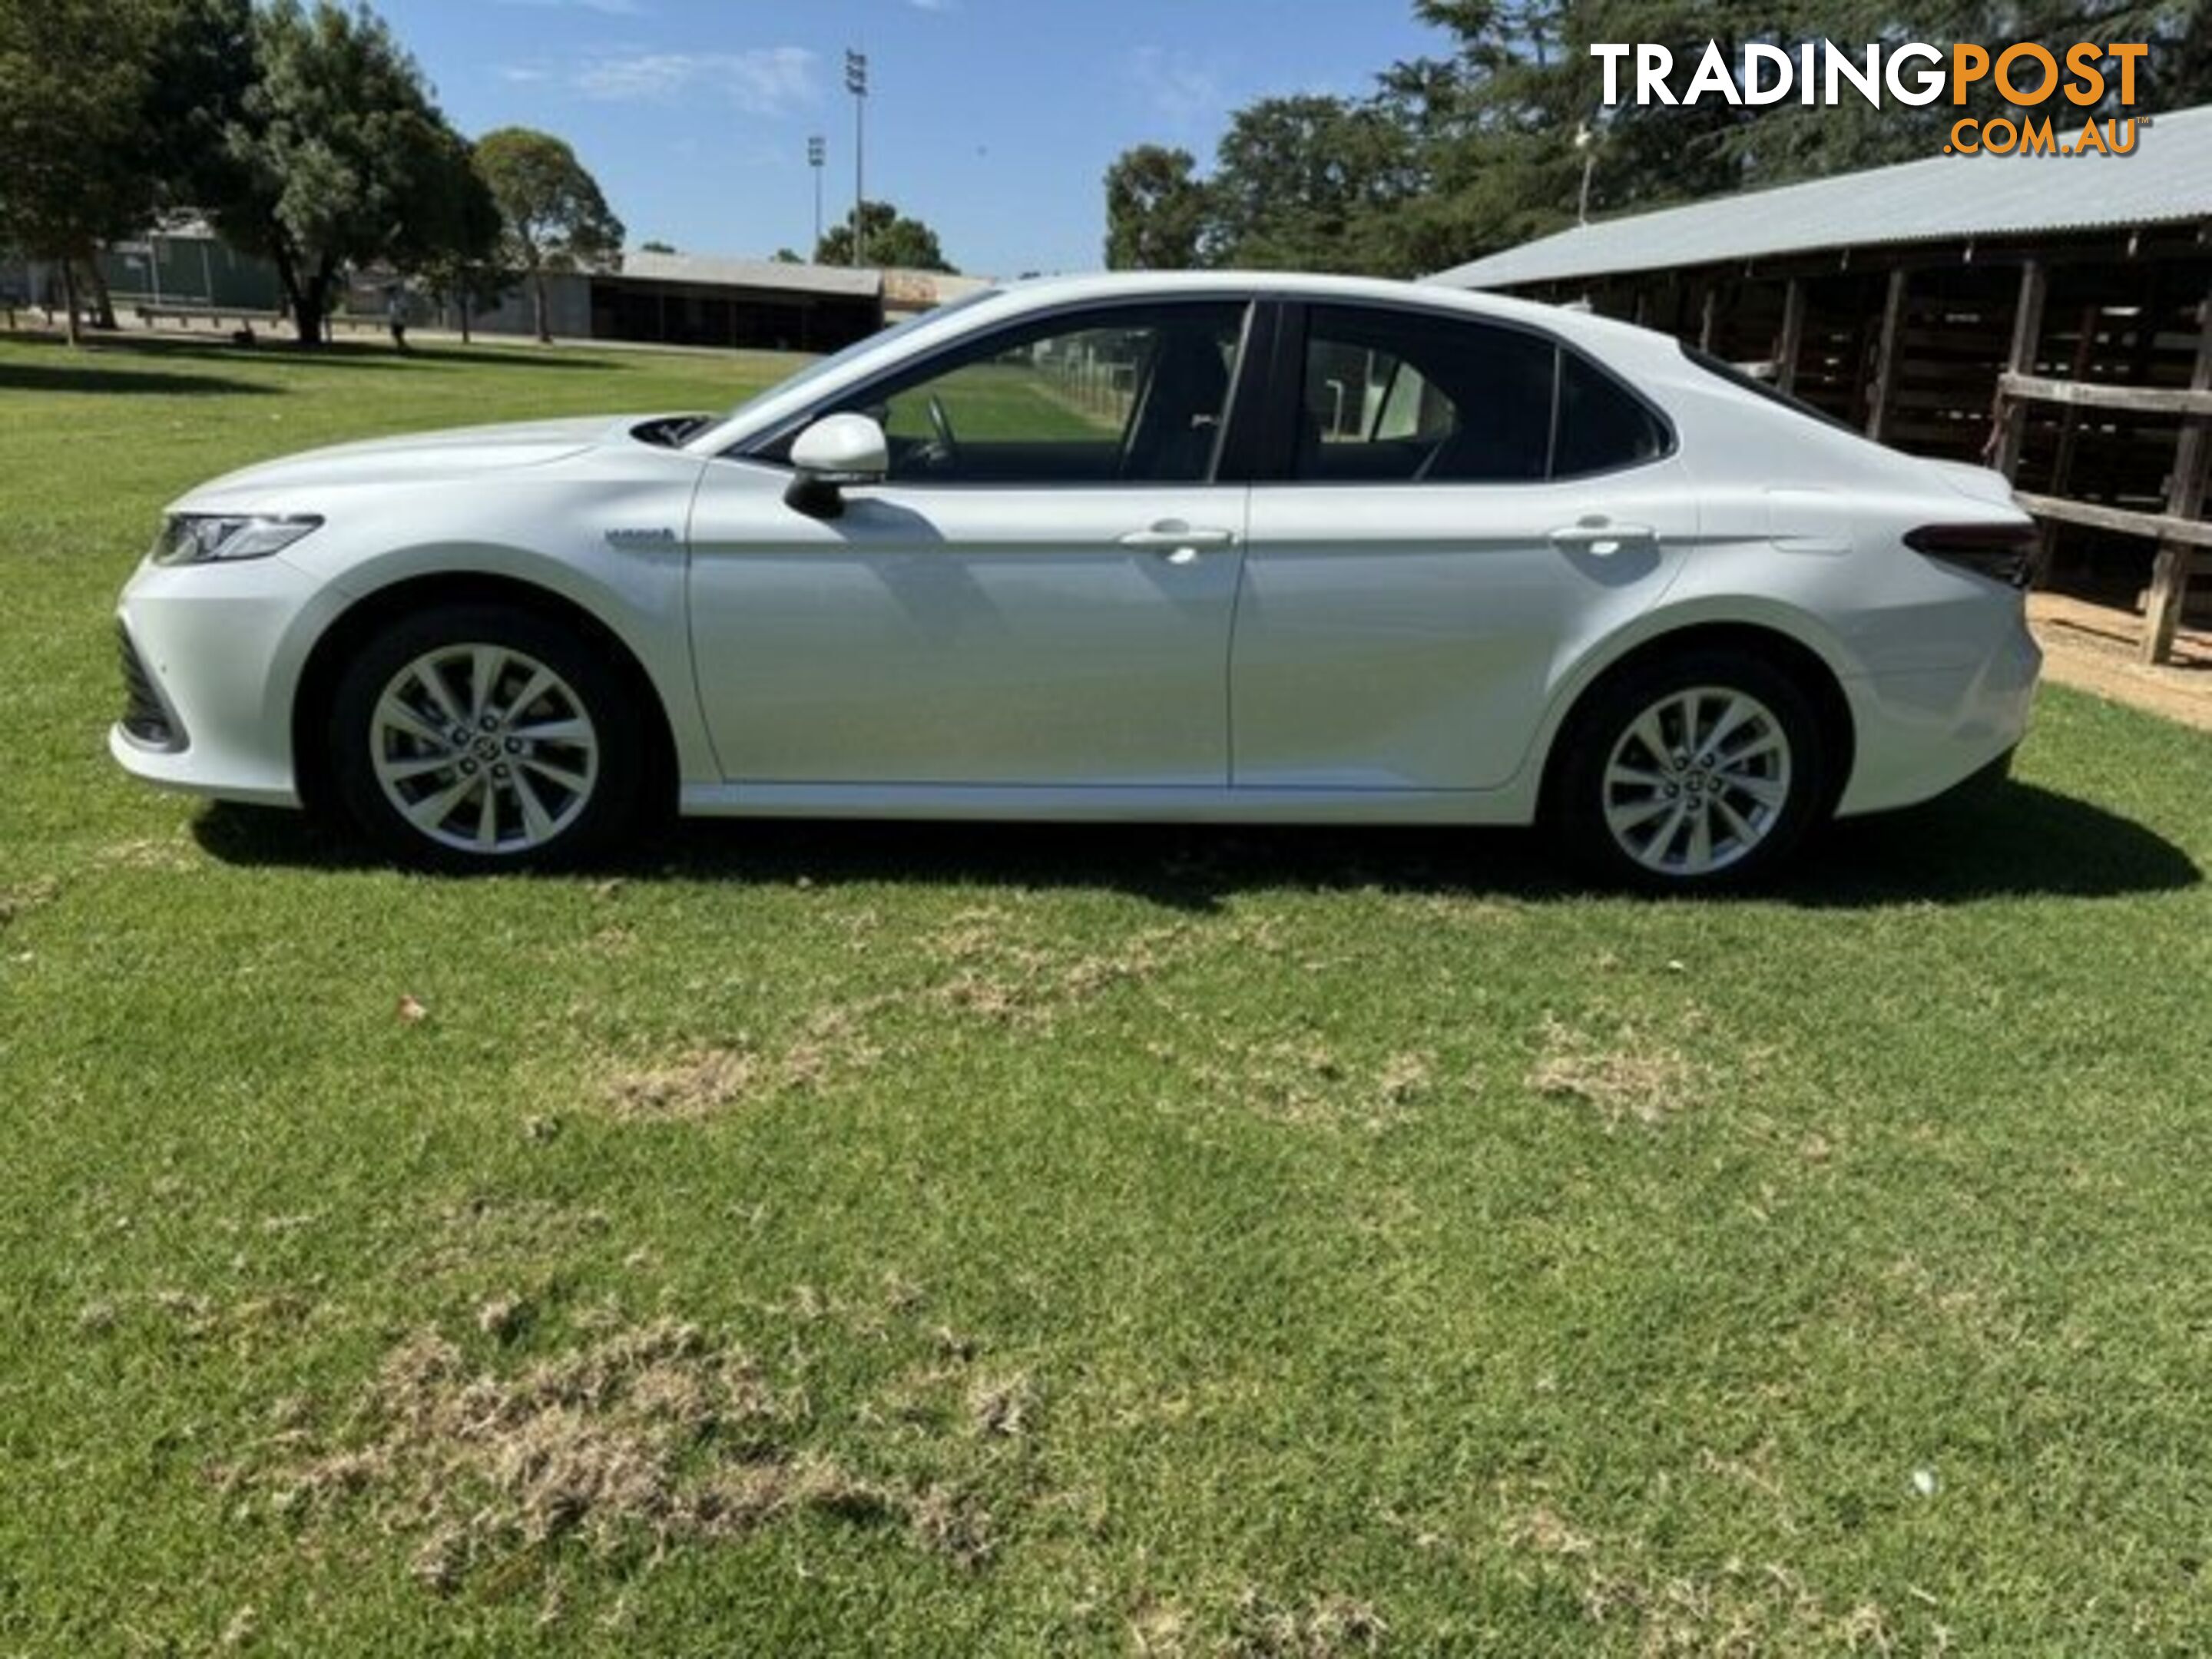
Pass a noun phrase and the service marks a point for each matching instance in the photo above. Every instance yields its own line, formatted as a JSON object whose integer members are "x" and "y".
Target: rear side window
{"x": 1400, "y": 397}
{"x": 1601, "y": 428}
{"x": 1407, "y": 397}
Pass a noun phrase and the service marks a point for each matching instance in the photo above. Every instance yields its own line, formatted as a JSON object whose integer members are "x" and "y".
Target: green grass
{"x": 1002, "y": 403}
{"x": 1002, "y": 1241}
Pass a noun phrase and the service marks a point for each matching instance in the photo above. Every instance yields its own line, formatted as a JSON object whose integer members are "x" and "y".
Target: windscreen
{"x": 836, "y": 360}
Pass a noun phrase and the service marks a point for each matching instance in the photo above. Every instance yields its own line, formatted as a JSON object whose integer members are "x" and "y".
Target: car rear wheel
{"x": 1698, "y": 771}
{"x": 477, "y": 737}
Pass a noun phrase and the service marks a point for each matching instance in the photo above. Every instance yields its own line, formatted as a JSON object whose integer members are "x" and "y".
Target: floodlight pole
{"x": 817, "y": 152}
{"x": 856, "y": 82}
{"x": 1586, "y": 141}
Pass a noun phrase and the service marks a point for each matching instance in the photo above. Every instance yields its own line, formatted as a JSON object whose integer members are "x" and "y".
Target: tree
{"x": 889, "y": 239}
{"x": 1155, "y": 210}
{"x": 1308, "y": 182}
{"x": 203, "y": 61}
{"x": 1457, "y": 155}
{"x": 656, "y": 245}
{"x": 336, "y": 156}
{"x": 73, "y": 87}
{"x": 458, "y": 256}
{"x": 556, "y": 217}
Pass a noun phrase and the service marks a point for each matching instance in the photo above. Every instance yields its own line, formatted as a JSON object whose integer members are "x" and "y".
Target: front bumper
{"x": 219, "y": 650}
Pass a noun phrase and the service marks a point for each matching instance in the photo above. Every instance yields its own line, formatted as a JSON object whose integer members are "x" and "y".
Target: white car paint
{"x": 1223, "y": 651}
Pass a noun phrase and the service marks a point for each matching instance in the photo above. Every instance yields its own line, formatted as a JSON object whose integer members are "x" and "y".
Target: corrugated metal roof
{"x": 717, "y": 272}
{"x": 1945, "y": 197}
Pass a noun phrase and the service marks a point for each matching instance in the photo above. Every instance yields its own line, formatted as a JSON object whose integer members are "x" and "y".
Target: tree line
{"x": 305, "y": 136}
{"x": 1454, "y": 156}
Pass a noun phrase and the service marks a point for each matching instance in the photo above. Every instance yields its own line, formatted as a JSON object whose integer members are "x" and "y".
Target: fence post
{"x": 1885, "y": 356}
{"x": 2026, "y": 330}
{"x": 1793, "y": 336}
{"x": 2185, "y": 499}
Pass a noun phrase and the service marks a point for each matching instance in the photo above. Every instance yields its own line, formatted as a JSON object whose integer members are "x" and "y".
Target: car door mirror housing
{"x": 834, "y": 451}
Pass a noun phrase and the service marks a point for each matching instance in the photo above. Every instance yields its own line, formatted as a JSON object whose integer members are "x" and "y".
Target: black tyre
{"x": 479, "y": 737}
{"x": 1695, "y": 772}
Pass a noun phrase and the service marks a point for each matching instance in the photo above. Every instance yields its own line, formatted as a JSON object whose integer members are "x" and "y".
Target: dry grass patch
{"x": 1743, "y": 1608}
{"x": 26, "y": 896}
{"x": 990, "y": 971}
{"x": 649, "y": 1433}
{"x": 1324, "y": 1627}
{"x": 830, "y": 1044}
{"x": 1303, "y": 1082}
{"x": 1631, "y": 1075}
{"x": 474, "y": 1239}
{"x": 168, "y": 854}
{"x": 1002, "y": 1407}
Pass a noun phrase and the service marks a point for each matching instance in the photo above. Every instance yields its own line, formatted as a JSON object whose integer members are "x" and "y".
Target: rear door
{"x": 1459, "y": 507}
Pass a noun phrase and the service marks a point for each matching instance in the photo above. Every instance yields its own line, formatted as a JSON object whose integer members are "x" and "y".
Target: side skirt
{"x": 1106, "y": 803}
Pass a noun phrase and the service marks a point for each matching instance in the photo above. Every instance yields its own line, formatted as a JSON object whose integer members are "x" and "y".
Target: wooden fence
{"x": 2179, "y": 530}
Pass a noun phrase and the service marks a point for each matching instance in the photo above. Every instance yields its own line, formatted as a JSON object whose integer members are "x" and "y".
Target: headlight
{"x": 203, "y": 537}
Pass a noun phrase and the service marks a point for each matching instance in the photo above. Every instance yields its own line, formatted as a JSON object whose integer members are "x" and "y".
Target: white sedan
{"x": 1257, "y": 548}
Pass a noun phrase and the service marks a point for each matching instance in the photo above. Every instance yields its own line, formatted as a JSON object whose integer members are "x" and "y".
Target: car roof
{"x": 1299, "y": 285}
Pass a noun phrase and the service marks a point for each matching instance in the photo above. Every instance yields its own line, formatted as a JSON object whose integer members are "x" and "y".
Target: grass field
{"x": 1006, "y": 1241}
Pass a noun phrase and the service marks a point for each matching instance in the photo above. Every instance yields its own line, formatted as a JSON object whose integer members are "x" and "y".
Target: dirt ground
{"x": 2093, "y": 647}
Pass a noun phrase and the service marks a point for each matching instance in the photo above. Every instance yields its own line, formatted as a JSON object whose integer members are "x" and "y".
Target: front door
{"x": 1040, "y": 593}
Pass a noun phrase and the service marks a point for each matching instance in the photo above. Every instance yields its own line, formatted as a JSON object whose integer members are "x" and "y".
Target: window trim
{"x": 1289, "y": 372}
{"x": 1242, "y": 383}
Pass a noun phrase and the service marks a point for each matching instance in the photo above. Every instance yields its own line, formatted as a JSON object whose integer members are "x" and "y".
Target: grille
{"x": 144, "y": 718}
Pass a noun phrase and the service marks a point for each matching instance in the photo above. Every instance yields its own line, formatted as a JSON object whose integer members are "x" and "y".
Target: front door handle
{"x": 1176, "y": 543}
{"x": 1602, "y": 538}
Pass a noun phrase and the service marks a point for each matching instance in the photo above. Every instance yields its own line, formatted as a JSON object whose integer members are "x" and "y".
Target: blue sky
{"x": 992, "y": 119}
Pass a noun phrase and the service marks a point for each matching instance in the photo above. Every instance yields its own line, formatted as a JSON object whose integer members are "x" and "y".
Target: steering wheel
{"x": 948, "y": 446}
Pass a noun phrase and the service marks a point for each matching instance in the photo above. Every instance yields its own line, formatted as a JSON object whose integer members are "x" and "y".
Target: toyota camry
{"x": 1259, "y": 549}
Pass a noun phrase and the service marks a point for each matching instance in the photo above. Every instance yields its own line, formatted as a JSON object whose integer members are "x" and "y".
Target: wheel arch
{"x": 1791, "y": 654}
{"x": 362, "y": 620}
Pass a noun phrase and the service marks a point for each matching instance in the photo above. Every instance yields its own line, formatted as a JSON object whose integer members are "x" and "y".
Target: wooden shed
{"x": 2049, "y": 315}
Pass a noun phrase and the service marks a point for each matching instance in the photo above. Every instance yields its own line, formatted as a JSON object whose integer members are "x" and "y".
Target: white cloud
{"x": 1179, "y": 88}
{"x": 765, "y": 80}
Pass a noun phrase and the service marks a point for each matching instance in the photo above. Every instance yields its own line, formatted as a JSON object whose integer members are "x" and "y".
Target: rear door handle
{"x": 1603, "y": 538}
{"x": 1178, "y": 543}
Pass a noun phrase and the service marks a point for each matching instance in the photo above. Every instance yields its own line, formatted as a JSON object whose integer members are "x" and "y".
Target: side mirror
{"x": 837, "y": 450}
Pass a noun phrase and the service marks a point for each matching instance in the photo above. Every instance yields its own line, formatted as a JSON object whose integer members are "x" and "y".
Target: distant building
{"x": 666, "y": 299}
{"x": 186, "y": 265}
{"x": 701, "y": 300}
{"x": 189, "y": 266}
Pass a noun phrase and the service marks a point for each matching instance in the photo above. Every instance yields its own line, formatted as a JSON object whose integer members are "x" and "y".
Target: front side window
{"x": 1123, "y": 395}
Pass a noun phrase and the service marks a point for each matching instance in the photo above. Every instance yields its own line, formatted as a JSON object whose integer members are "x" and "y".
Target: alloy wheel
{"x": 483, "y": 749}
{"x": 1697, "y": 780}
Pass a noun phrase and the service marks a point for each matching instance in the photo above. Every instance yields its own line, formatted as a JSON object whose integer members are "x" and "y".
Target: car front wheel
{"x": 1697, "y": 771}
{"x": 477, "y": 737}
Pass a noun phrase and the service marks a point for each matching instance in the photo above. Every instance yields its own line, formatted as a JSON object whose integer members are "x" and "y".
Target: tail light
{"x": 2002, "y": 552}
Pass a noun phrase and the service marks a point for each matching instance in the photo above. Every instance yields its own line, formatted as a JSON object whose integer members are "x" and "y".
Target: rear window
{"x": 1600, "y": 428}
{"x": 1735, "y": 377}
